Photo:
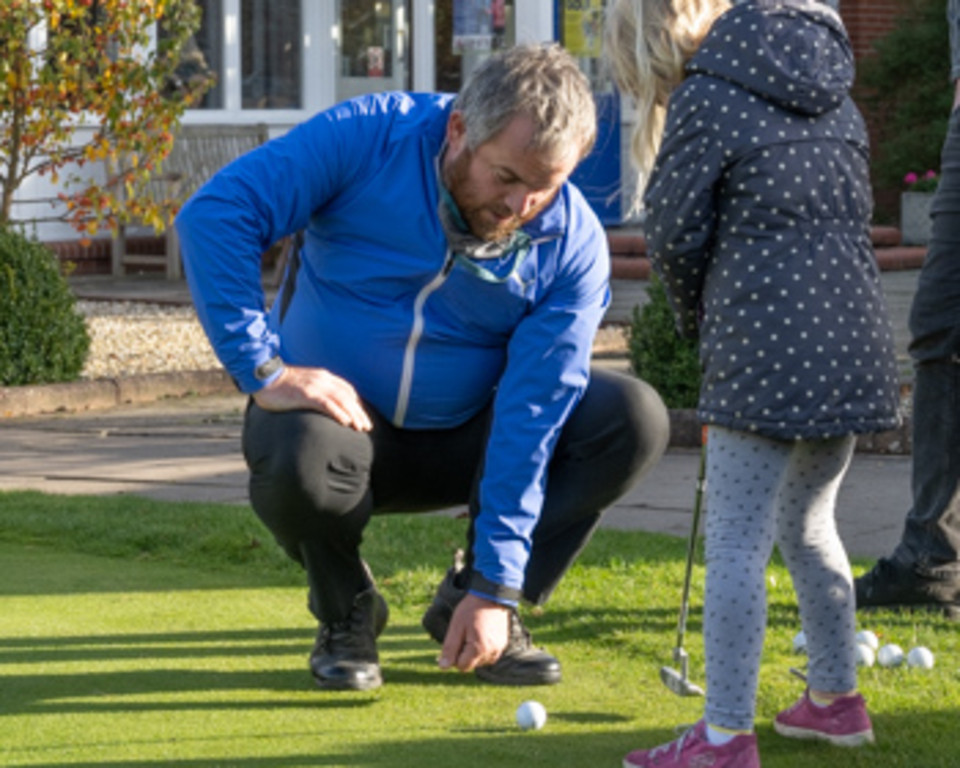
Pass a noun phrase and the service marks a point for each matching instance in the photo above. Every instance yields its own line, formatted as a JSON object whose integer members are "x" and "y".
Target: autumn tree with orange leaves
{"x": 87, "y": 84}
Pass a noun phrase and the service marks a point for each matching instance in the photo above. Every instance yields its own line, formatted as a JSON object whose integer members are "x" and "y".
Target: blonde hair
{"x": 648, "y": 44}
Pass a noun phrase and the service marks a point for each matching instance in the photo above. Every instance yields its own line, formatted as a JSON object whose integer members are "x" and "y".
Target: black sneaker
{"x": 345, "y": 657}
{"x": 890, "y": 584}
{"x": 519, "y": 664}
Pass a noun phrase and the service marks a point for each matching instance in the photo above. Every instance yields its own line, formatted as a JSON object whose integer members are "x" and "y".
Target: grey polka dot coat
{"x": 757, "y": 221}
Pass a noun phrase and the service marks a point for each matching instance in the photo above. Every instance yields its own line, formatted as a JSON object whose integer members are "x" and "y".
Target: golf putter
{"x": 676, "y": 680}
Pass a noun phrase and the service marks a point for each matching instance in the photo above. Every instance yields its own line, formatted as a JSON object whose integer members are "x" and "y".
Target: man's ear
{"x": 456, "y": 132}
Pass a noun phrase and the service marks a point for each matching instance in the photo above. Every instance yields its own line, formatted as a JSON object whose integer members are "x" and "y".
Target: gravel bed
{"x": 128, "y": 337}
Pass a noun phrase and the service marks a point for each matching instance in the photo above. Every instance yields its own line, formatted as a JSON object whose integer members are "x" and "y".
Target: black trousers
{"x": 315, "y": 483}
{"x": 931, "y": 534}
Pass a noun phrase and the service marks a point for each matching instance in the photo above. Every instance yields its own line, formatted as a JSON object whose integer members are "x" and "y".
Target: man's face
{"x": 503, "y": 183}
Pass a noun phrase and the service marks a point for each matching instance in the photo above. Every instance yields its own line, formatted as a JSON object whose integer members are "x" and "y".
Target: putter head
{"x": 678, "y": 683}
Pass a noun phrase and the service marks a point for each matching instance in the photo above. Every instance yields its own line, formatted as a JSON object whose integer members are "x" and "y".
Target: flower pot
{"x": 915, "y": 217}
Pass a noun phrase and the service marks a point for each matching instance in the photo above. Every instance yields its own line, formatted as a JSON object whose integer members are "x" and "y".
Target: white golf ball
{"x": 866, "y": 637}
{"x": 531, "y": 715}
{"x": 890, "y": 655}
{"x": 865, "y": 655}
{"x": 920, "y": 657}
{"x": 800, "y": 642}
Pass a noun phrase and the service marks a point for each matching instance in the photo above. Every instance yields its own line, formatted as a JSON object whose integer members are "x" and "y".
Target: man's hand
{"x": 477, "y": 635}
{"x": 315, "y": 389}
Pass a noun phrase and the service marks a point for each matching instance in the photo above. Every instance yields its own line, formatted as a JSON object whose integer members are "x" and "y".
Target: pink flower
{"x": 911, "y": 178}
{"x": 931, "y": 174}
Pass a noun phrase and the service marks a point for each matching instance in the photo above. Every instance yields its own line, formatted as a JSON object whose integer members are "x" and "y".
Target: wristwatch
{"x": 265, "y": 370}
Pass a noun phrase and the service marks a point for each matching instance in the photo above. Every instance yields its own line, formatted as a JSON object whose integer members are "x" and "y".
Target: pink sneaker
{"x": 844, "y": 723}
{"x": 692, "y": 750}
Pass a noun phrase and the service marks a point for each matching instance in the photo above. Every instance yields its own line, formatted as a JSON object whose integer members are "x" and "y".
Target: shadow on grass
{"x": 413, "y": 663}
{"x": 593, "y": 747}
{"x": 476, "y": 748}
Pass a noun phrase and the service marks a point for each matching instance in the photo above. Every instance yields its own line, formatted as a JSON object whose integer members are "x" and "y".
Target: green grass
{"x": 139, "y": 633}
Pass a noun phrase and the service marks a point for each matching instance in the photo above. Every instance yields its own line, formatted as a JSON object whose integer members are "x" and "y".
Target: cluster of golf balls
{"x": 869, "y": 652}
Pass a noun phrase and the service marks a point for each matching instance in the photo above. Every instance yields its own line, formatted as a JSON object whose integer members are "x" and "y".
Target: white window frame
{"x": 317, "y": 61}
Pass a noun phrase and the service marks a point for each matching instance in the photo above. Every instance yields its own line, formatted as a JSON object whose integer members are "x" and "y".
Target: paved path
{"x": 188, "y": 449}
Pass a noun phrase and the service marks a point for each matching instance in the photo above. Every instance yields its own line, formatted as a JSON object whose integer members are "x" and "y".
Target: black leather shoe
{"x": 345, "y": 657}
{"x": 890, "y": 584}
{"x": 520, "y": 663}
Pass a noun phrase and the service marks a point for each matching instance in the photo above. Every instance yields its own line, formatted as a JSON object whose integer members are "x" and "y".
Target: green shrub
{"x": 659, "y": 356}
{"x": 43, "y": 338}
{"x": 904, "y": 86}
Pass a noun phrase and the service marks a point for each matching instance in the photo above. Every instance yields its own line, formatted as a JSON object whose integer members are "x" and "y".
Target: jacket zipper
{"x": 409, "y": 354}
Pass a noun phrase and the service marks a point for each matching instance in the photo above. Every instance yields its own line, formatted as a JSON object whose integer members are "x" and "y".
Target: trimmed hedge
{"x": 659, "y": 356}
{"x": 43, "y": 339}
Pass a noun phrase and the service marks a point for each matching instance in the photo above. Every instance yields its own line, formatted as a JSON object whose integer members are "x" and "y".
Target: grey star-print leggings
{"x": 760, "y": 492}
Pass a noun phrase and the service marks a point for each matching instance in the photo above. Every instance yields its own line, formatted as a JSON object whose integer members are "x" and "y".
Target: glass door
{"x": 373, "y": 46}
{"x": 467, "y": 31}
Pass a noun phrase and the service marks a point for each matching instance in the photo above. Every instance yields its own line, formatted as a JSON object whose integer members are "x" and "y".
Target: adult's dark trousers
{"x": 315, "y": 483}
{"x": 931, "y": 535}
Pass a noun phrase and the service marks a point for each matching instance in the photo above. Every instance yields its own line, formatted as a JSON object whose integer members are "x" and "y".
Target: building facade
{"x": 278, "y": 62}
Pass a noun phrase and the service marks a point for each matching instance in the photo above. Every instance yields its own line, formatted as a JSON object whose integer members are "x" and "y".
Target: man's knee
{"x": 646, "y": 419}
{"x": 304, "y": 460}
{"x": 623, "y": 419}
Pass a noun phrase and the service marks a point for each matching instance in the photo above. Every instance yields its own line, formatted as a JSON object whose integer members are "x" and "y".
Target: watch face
{"x": 267, "y": 369}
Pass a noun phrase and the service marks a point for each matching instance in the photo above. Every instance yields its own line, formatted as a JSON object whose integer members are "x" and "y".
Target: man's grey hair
{"x": 542, "y": 82}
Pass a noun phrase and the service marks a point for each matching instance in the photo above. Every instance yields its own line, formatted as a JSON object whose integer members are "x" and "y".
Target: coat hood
{"x": 794, "y": 53}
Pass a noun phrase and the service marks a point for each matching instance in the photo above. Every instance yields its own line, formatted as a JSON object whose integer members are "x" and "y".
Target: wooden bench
{"x": 199, "y": 151}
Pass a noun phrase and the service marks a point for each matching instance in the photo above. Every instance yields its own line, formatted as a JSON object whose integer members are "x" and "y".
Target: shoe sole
{"x": 336, "y": 685}
{"x": 847, "y": 740}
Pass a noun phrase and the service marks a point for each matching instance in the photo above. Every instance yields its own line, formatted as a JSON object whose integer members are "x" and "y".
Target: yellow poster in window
{"x": 583, "y": 27}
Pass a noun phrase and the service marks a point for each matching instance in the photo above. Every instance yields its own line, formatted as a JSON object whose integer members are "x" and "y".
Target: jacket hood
{"x": 794, "y": 53}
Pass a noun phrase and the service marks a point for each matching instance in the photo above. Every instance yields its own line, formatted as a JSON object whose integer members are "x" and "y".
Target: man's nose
{"x": 521, "y": 201}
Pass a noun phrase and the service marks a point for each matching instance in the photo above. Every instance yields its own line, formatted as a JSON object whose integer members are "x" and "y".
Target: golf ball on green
{"x": 531, "y": 716}
{"x": 866, "y": 637}
{"x": 890, "y": 655}
{"x": 800, "y": 642}
{"x": 865, "y": 655}
{"x": 920, "y": 657}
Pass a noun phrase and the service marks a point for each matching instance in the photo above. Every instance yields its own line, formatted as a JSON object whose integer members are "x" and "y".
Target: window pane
{"x": 203, "y": 53}
{"x": 467, "y": 31}
{"x": 373, "y": 47}
{"x": 271, "y": 32}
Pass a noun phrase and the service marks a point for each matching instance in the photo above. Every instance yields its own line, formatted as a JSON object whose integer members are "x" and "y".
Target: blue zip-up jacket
{"x": 378, "y": 299}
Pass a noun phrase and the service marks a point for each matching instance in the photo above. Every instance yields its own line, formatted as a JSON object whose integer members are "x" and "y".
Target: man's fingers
{"x": 466, "y": 659}
{"x": 318, "y": 389}
{"x": 452, "y": 645}
{"x": 476, "y": 636}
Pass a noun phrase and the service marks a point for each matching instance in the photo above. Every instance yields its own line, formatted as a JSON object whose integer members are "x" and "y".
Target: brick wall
{"x": 866, "y": 20}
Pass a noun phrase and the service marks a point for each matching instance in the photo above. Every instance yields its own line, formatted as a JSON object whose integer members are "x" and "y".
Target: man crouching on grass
{"x": 430, "y": 346}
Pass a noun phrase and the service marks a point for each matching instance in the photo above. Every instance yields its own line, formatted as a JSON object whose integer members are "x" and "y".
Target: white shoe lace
{"x": 678, "y": 743}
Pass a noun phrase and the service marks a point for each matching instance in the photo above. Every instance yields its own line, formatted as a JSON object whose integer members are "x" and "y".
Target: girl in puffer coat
{"x": 754, "y": 165}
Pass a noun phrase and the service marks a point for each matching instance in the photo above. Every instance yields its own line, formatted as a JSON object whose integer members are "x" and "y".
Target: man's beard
{"x": 490, "y": 222}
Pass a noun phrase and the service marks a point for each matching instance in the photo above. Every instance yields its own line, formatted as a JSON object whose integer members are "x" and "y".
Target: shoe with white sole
{"x": 692, "y": 750}
{"x": 844, "y": 723}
